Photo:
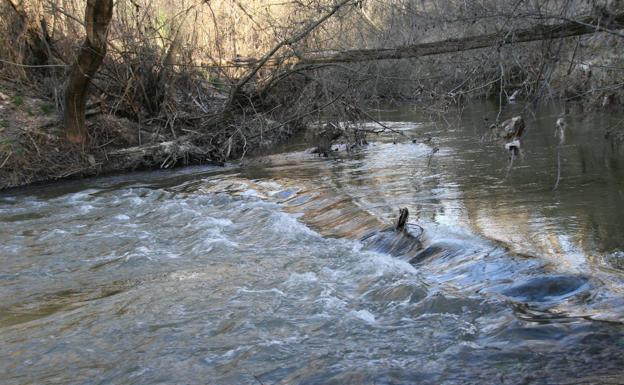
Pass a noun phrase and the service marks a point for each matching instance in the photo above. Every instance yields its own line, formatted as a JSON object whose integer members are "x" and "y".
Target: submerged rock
{"x": 401, "y": 240}
{"x": 547, "y": 288}
{"x": 404, "y": 243}
{"x": 435, "y": 251}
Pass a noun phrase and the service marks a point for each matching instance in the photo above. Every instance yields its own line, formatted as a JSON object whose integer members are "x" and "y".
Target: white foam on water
{"x": 52, "y": 234}
{"x": 270, "y": 185}
{"x": 331, "y": 302}
{"x": 170, "y": 255}
{"x": 139, "y": 252}
{"x": 215, "y": 238}
{"x": 104, "y": 258}
{"x": 81, "y": 195}
{"x": 224, "y": 357}
{"x": 364, "y": 315}
{"x": 301, "y": 278}
{"x": 222, "y": 222}
{"x": 273, "y": 290}
{"x": 250, "y": 193}
{"x": 84, "y": 209}
{"x": 378, "y": 264}
{"x": 287, "y": 224}
{"x": 332, "y": 274}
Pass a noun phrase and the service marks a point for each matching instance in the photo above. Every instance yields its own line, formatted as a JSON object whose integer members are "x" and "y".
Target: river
{"x": 265, "y": 272}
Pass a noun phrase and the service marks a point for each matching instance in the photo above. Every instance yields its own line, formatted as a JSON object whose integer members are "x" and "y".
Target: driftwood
{"x": 162, "y": 155}
{"x": 303, "y": 62}
{"x": 399, "y": 240}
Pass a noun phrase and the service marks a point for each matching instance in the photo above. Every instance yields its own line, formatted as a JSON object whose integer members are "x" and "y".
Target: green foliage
{"x": 216, "y": 83}
{"x": 47, "y": 109}
{"x": 18, "y": 100}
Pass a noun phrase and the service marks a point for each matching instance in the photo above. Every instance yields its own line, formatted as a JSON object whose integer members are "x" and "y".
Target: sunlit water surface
{"x": 283, "y": 270}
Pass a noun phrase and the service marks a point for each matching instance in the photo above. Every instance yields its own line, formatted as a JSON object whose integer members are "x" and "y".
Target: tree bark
{"x": 97, "y": 18}
{"x": 30, "y": 33}
{"x": 161, "y": 85}
{"x": 569, "y": 28}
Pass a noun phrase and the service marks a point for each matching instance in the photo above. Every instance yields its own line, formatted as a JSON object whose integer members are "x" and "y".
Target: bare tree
{"x": 98, "y": 15}
{"x": 30, "y": 32}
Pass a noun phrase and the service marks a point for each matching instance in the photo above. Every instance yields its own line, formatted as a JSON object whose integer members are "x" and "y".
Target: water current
{"x": 284, "y": 269}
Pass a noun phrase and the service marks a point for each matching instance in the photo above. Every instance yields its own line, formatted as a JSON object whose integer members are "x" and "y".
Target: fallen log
{"x": 162, "y": 155}
{"x": 311, "y": 60}
{"x": 582, "y": 26}
{"x": 569, "y": 28}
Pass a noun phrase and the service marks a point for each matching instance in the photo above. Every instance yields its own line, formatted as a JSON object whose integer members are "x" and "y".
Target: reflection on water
{"x": 285, "y": 271}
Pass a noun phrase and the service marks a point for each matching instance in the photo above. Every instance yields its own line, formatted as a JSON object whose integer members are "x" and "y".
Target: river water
{"x": 283, "y": 271}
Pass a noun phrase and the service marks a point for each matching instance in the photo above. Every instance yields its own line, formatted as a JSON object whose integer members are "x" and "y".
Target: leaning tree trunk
{"x": 610, "y": 23}
{"x": 97, "y": 18}
{"x": 569, "y": 28}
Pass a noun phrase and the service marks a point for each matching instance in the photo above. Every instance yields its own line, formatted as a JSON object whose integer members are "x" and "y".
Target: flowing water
{"x": 285, "y": 270}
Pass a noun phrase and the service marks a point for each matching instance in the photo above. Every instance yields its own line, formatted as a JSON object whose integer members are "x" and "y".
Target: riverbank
{"x": 33, "y": 147}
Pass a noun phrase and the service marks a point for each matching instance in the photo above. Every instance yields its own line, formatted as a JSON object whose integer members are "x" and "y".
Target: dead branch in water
{"x": 402, "y": 220}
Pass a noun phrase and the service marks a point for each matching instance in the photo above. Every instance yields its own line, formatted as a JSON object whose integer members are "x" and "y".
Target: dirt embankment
{"x": 33, "y": 147}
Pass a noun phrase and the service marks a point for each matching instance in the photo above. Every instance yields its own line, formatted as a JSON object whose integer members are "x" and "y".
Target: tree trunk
{"x": 97, "y": 18}
{"x": 162, "y": 81}
{"x": 30, "y": 33}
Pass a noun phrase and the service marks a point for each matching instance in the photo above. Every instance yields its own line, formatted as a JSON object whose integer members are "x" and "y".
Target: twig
{"x": 32, "y": 65}
{"x": 558, "y": 167}
{"x": 6, "y": 159}
{"x": 287, "y": 42}
{"x": 307, "y": 113}
{"x": 367, "y": 115}
{"x": 511, "y": 160}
